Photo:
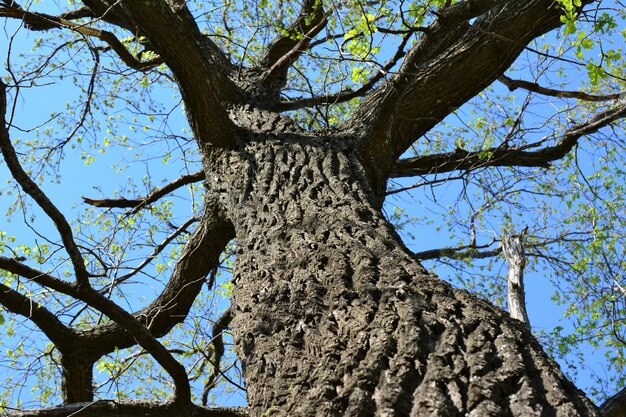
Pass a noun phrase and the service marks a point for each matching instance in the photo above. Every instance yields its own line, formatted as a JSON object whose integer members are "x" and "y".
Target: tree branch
{"x": 460, "y": 252}
{"x": 62, "y": 337}
{"x": 285, "y": 49}
{"x": 41, "y": 21}
{"x": 349, "y": 94}
{"x": 536, "y": 88}
{"x": 140, "y": 203}
{"x": 157, "y": 249}
{"x": 16, "y": 267}
{"x": 198, "y": 65}
{"x": 142, "y": 336}
{"x": 30, "y": 188}
{"x": 513, "y": 250}
{"x": 83, "y": 291}
{"x": 217, "y": 352}
{"x": 199, "y": 256}
{"x": 135, "y": 330}
{"x": 451, "y": 63}
{"x": 504, "y": 156}
{"x": 98, "y": 10}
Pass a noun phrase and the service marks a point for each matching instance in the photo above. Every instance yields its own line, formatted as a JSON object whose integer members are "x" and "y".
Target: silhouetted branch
{"x": 42, "y": 21}
{"x": 286, "y": 49}
{"x": 62, "y": 336}
{"x": 461, "y": 159}
{"x": 460, "y": 252}
{"x": 536, "y": 88}
{"x": 216, "y": 352}
{"x": 158, "y": 249}
{"x": 15, "y": 266}
{"x": 139, "y": 203}
{"x": 42, "y": 200}
{"x": 348, "y": 94}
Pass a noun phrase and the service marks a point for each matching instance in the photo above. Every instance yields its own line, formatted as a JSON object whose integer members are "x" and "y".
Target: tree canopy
{"x": 475, "y": 120}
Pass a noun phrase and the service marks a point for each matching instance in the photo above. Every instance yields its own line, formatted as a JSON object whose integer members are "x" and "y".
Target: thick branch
{"x": 197, "y": 63}
{"x": 62, "y": 337}
{"x": 139, "y": 203}
{"x": 129, "y": 325}
{"x": 536, "y": 88}
{"x": 30, "y": 188}
{"x": 199, "y": 256}
{"x": 99, "y": 10}
{"x": 111, "y": 12}
{"x": 503, "y": 156}
{"x": 461, "y": 252}
{"x": 451, "y": 63}
{"x": 285, "y": 49}
{"x": 41, "y": 21}
{"x": 16, "y": 267}
{"x": 141, "y": 334}
{"x": 83, "y": 291}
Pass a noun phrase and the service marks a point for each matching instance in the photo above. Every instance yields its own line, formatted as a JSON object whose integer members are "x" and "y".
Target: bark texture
{"x": 333, "y": 316}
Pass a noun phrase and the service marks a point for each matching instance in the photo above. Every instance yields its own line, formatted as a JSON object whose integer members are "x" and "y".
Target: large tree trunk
{"x": 333, "y": 317}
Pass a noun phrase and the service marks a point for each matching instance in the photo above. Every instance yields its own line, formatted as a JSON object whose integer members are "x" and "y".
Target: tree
{"x": 295, "y": 133}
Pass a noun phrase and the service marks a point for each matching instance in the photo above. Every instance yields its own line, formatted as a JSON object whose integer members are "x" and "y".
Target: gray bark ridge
{"x": 333, "y": 317}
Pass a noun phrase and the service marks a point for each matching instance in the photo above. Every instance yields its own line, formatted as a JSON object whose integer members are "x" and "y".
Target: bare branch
{"x": 513, "y": 250}
{"x": 460, "y": 252}
{"x": 62, "y": 336}
{"x": 349, "y": 94}
{"x": 30, "y": 188}
{"x": 41, "y": 21}
{"x": 536, "y": 88}
{"x": 140, "y": 203}
{"x": 461, "y": 159}
{"x": 157, "y": 249}
{"x": 217, "y": 352}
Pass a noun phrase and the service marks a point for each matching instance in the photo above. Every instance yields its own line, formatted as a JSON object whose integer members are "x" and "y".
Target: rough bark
{"x": 333, "y": 317}
{"x": 615, "y": 406}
